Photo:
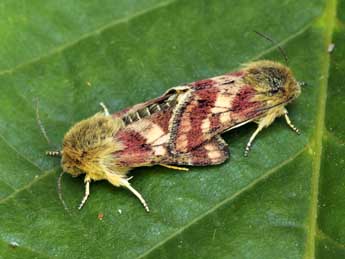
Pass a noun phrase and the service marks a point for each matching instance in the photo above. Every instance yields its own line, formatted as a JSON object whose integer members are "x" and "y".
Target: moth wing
{"x": 144, "y": 141}
{"x": 141, "y": 110}
{"x": 145, "y": 135}
{"x": 141, "y": 153}
{"x": 212, "y": 152}
{"x": 210, "y": 108}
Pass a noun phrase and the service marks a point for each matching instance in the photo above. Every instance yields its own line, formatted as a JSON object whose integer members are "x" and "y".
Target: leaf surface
{"x": 60, "y": 60}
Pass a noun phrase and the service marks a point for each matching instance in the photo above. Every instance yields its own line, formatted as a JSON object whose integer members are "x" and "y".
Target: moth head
{"x": 273, "y": 81}
{"x": 88, "y": 146}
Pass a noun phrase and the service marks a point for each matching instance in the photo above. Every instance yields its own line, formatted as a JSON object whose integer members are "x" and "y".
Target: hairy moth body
{"x": 181, "y": 127}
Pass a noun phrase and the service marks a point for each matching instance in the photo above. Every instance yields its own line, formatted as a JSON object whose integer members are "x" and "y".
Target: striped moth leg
{"x": 268, "y": 120}
{"x": 87, "y": 182}
{"x": 119, "y": 180}
{"x": 289, "y": 123}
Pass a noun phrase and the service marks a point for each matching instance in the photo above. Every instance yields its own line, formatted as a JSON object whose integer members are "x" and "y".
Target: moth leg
{"x": 87, "y": 181}
{"x": 117, "y": 180}
{"x": 175, "y": 167}
{"x": 105, "y": 109}
{"x": 263, "y": 123}
{"x": 250, "y": 142}
{"x": 126, "y": 184}
{"x": 289, "y": 123}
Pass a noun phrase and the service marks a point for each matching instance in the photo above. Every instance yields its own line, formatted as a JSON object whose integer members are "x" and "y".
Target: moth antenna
{"x": 59, "y": 190}
{"x": 39, "y": 122}
{"x": 281, "y": 50}
{"x": 302, "y": 83}
{"x": 54, "y": 153}
{"x": 51, "y": 153}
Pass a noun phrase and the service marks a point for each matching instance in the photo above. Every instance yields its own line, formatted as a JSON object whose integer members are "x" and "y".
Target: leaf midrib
{"x": 329, "y": 17}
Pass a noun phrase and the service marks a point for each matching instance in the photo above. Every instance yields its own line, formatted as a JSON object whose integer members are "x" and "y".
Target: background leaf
{"x": 284, "y": 201}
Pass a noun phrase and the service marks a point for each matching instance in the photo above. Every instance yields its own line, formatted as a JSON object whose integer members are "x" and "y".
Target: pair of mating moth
{"x": 181, "y": 127}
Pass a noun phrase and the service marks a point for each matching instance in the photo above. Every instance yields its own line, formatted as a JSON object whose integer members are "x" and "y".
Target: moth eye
{"x": 275, "y": 84}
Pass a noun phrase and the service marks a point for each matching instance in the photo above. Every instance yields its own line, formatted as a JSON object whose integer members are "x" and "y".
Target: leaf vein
{"x": 226, "y": 200}
{"x": 323, "y": 235}
{"x": 27, "y": 186}
{"x": 19, "y": 154}
{"x": 86, "y": 36}
{"x": 26, "y": 249}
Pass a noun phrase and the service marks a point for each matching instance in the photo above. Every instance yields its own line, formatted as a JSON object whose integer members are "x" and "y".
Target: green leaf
{"x": 59, "y": 59}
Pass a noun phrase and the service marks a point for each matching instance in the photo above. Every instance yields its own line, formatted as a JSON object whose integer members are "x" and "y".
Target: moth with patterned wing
{"x": 181, "y": 127}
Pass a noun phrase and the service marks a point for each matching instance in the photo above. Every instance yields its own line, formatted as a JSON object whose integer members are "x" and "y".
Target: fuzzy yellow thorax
{"x": 89, "y": 147}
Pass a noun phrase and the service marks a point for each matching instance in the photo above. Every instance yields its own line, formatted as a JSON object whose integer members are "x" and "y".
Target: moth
{"x": 182, "y": 127}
